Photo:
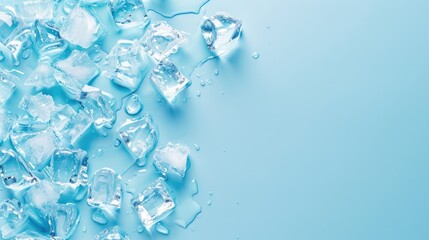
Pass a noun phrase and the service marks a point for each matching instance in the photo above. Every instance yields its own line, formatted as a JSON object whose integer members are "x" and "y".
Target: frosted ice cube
{"x": 154, "y": 204}
{"x": 7, "y": 120}
{"x": 221, "y": 32}
{"x": 8, "y": 22}
{"x": 14, "y": 171}
{"x": 63, "y": 220}
{"x": 42, "y": 76}
{"x": 42, "y": 194}
{"x": 12, "y": 218}
{"x": 168, "y": 80}
{"x": 172, "y": 158}
{"x": 31, "y": 235}
{"x": 129, "y": 13}
{"x": 140, "y": 136}
{"x": 82, "y": 27}
{"x": 36, "y": 9}
{"x": 48, "y": 39}
{"x": 40, "y": 106}
{"x": 69, "y": 167}
{"x": 161, "y": 40}
{"x": 105, "y": 190}
{"x": 35, "y": 141}
{"x": 79, "y": 66}
{"x": 112, "y": 233}
{"x": 128, "y": 64}
{"x": 7, "y": 86}
{"x": 94, "y": 102}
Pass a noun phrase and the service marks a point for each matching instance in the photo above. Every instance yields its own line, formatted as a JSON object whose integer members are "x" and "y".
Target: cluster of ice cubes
{"x": 43, "y": 167}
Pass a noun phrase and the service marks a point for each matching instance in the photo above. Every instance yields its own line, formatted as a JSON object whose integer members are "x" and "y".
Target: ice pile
{"x": 47, "y": 57}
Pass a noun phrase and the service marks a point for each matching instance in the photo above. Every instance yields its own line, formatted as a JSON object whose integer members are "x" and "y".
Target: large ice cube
{"x": 69, "y": 167}
{"x": 42, "y": 76}
{"x": 94, "y": 102}
{"x": 7, "y": 120}
{"x": 112, "y": 233}
{"x": 154, "y": 204}
{"x": 36, "y": 9}
{"x": 12, "y": 218}
{"x": 63, "y": 220}
{"x": 31, "y": 235}
{"x": 42, "y": 194}
{"x": 172, "y": 158}
{"x": 168, "y": 80}
{"x": 40, "y": 106}
{"x": 7, "y": 86}
{"x": 161, "y": 40}
{"x": 48, "y": 39}
{"x": 221, "y": 32}
{"x": 129, "y": 13}
{"x": 105, "y": 190}
{"x": 140, "y": 136}
{"x": 14, "y": 172}
{"x": 82, "y": 27}
{"x": 128, "y": 64}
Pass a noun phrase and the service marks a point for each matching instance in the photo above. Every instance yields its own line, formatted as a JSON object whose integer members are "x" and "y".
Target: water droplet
{"x": 216, "y": 72}
{"x": 255, "y": 55}
{"x": 210, "y": 81}
{"x": 268, "y": 26}
{"x": 198, "y": 94}
{"x": 140, "y": 228}
{"x": 211, "y": 193}
{"x": 161, "y": 228}
{"x": 209, "y": 202}
{"x": 84, "y": 229}
{"x": 99, "y": 152}
{"x": 134, "y": 105}
{"x": 202, "y": 83}
{"x": 117, "y": 143}
{"x": 197, "y": 147}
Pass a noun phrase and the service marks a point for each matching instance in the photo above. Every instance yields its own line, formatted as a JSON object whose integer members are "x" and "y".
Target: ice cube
{"x": 161, "y": 40}
{"x": 36, "y": 9}
{"x": 8, "y": 22}
{"x": 94, "y": 2}
{"x": 221, "y": 32}
{"x": 79, "y": 66}
{"x": 95, "y": 104}
{"x": 140, "y": 136}
{"x": 105, "y": 190}
{"x": 31, "y": 235}
{"x": 14, "y": 172}
{"x": 62, "y": 119}
{"x": 7, "y": 120}
{"x": 48, "y": 39}
{"x": 168, "y": 80}
{"x": 112, "y": 233}
{"x": 171, "y": 158}
{"x": 35, "y": 141}
{"x": 7, "y": 86}
{"x": 129, "y": 13}
{"x": 42, "y": 194}
{"x": 80, "y": 124}
{"x": 12, "y": 218}
{"x": 128, "y": 64}
{"x": 69, "y": 167}
{"x": 63, "y": 220}
{"x": 19, "y": 42}
{"x": 40, "y": 106}
{"x": 82, "y": 27}
{"x": 154, "y": 204}
{"x": 42, "y": 76}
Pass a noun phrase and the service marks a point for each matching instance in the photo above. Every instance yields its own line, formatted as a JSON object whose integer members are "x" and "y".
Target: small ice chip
{"x": 7, "y": 120}
{"x": 105, "y": 190}
{"x": 63, "y": 220}
{"x": 161, "y": 40}
{"x": 7, "y": 86}
{"x": 12, "y": 218}
{"x": 154, "y": 204}
{"x": 129, "y": 13}
{"x": 168, "y": 80}
{"x": 221, "y": 32}
{"x": 14, "y": 172}
{"x": 112, "y": 233}
{"x": 40, "y": 106}
{"x": 171, "y": 158}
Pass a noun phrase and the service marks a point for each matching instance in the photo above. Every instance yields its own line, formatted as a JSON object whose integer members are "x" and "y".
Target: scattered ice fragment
{"x": 161, "y": 40}
{"x": 95, "y": 104}
{"x": 128, "y": 64}
{"x": 140, "y": 136}
{"x": 221, "y": 32}
{"x": 12, "y": 218}
{"x": 18, "y": 42}
{"x": 112, "y": 233}
{"x": 105, "y": 190}
{"x": 154, "y": 204}
{"x": 8, "y": 22}
{"x": 69, "y": 167}
{"x": 129, "y": 13}
{"x": 7, "y": 86}
{"x": 162, "y": 228}
{"x": 48, "y": 39}
{"x": 42, "y": 194}
{"x": 7, "y": 120}
{"x": 31, "y": 235}
{"x": 40, "y": 106}
{"x": 82, "y": 27}
{"x": 42, "y": 76}
{"x": 134, "y": 105}
{"x": 36, "y": 9}
{"x": 171, "y": 158}
{"x": 14, "y": 172}
{"x": 168, "y": 80}
{"x": 63, "y": 220}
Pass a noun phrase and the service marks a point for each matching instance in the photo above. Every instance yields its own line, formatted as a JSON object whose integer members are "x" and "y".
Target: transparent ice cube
{"x": 105, "y": 190}
{"x": 62, "y": 119}
{"x": 42, "y": 76}
{"x": 128, "y": 64}
{"x": 168, "y": 80}
{"x": 112, "y": 233}
{"x": 36, "y": 9}
{"x": 161, "y": 40}
{"x": 31, "y": 235}
{"x": 12, "y": 218}
{"x": 40, "y": 106}
{"x": 7, "y": 86}
{"x": 42, "y": 194}
{"x": 69, "y": 167}
{"x": 171, "y": 158}
{"x": 129, "y": 13}
{"x": 94, "y": 103}
{"x": 8, "y": 22}
{"x": 20, "y": 42}
{"x": 7, "y": 120}
{"x": 82, "y": 121}
{"x": 140, "y": 136}
{"x": 82, "y": 27}
{"x": 14, "y": 172}
{"x": 63, "y": 220}
{"x": 154, "y": 204}
{"x": 94, "y": 2}
{"x": 48, "y": 39}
